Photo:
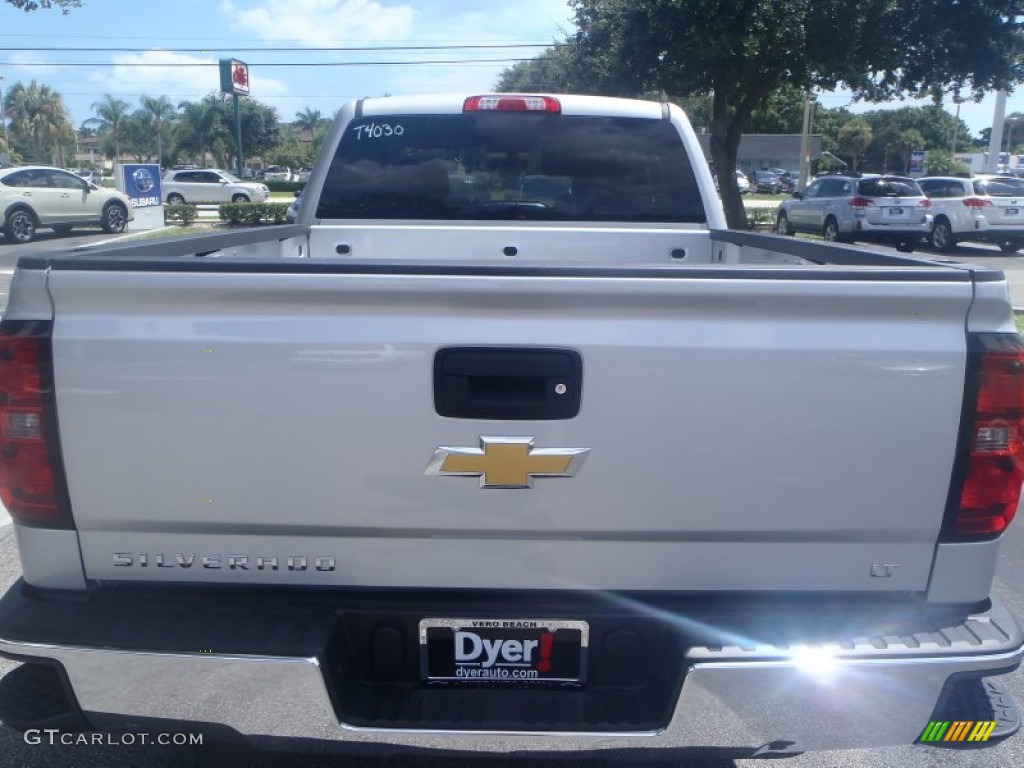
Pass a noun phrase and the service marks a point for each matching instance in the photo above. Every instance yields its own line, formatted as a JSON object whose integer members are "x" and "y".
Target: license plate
{"x": 1011, "y": 211}
{"x": 503, "y": 651}
{"x": 895, "y": 211}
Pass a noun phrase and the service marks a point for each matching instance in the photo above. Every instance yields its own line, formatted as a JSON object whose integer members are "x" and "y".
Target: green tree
{"x": 110, "y": 115}
{"x": 933, "y": 125}
{"x": 291, "y": 152}
{"x": 13, "y": 155}
{"x": 556, "y": 70}
{"x": 741, "y": 51}
{"x": 159, "y": 113}
{"x": 308, "y": 120}
{"x": 38, "y": 117}
{"x": 909, "y": 140}
{"x": 261, "y": 130}
{"x": 138, "y": 140}
{"x": 827, "y": 123}
{"x": 938, "y": 162}
{"x": 854, "y": 138}
{"x": 34, "y": 5}
{"x": 261, "y": 127}
{"x": 782, "y": 111}
{"x": 200, "y": 129}
{"x": 311, "y": 120}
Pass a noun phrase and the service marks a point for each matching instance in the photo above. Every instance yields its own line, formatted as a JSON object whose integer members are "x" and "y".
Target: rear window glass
{"x": 1000, "y": 188}
{"x": 511, "y": 166}
{"x": 888, "y": 188}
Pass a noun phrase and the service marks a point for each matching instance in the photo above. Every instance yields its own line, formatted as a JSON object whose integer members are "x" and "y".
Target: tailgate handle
{"x": 515, "y": 383}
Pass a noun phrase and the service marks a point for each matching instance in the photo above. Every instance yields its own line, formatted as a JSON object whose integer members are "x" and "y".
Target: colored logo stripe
{"x": 935, "y": 731}
{"x": 958, "y": 730}
{"x": 982, "y": 731}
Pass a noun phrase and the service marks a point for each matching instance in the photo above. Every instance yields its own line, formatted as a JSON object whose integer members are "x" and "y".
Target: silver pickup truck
{"x": 508, "y": 444}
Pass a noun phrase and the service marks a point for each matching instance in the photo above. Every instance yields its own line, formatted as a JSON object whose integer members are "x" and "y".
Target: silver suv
{"x": 981, "y": 210}
{"x": 889, "y": 209}
{"x": 210, "y": 185}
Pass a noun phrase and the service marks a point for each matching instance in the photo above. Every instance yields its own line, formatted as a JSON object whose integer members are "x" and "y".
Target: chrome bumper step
{"x": 815, "y": 681}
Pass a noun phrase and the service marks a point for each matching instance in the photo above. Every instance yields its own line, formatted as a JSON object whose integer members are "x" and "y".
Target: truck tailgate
{"x": 787, "y": 430}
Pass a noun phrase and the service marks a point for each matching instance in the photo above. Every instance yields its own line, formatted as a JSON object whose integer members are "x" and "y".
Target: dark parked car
{"x": 766, "y": 182}
{"x": 787, "y": 178}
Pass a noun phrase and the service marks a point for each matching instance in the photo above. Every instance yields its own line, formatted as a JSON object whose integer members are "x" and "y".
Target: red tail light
{"x": 511, "y": 103}
{"x": 32, "y": 484}
{"x": 994, "y": 441}
{"x": 861, "y": 202}
{"x": 925, "y": 203}
{"x": 977, "y": 202}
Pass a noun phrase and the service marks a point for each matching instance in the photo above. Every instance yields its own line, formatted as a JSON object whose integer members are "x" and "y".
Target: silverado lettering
{"x": 232, "y": 562}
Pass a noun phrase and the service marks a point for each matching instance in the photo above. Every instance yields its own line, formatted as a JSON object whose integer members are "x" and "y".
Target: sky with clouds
{"x": 250, "y": 30}
{"x": 223, "y": 28}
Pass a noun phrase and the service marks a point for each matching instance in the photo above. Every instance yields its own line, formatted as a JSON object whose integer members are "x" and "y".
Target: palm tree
{"x": 308, "y": 120}
{"x": 38, "y": 115}
{"x": 138, "y": 136}
{"x": 62, "y": 136}
{"x": 222, "y": 135}
{"x": 199, "y": 125}
{"x": 159, "y": 111}
{"x": 111, "y": 113}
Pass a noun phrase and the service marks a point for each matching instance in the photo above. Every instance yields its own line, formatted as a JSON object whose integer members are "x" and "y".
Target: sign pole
{"x": 234, "y": 79}
{"x": 805, "y": 143}
{"x": 238, "y": 138}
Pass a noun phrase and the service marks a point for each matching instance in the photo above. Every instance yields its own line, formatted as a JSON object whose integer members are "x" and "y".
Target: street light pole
{"x": 238, "y": 138}
{"x": 805, "y": 143}
{"x": 995, "y": 142}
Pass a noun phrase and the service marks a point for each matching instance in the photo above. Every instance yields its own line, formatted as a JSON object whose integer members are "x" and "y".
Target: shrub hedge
{"x": 253, "y": 213}
{"x": 186, "y": 214}
{"x": 760, "y": 218}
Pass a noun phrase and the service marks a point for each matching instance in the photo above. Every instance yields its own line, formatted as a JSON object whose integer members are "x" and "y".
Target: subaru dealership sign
{"x": 141, "y": 182}
{"x": 917, "y": 157}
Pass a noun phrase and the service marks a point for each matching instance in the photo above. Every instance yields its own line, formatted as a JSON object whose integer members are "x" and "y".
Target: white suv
{"x": 210, "y": 186}
{"x": 36, "y": 196}
{"x": 277, "y": 173}
{"x": 981, "y": 210}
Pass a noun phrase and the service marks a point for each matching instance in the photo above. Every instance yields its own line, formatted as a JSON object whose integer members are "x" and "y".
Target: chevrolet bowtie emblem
{"x": 507, "y": 462}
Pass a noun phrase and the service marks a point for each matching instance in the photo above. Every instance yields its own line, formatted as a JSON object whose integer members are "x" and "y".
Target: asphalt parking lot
{"x": 14, "y": 751}
{"x": 47, "y": 240}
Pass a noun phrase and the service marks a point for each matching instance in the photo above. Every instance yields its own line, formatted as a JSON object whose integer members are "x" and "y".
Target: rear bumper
{"x": 864, "y": 229}
{"x": 748, "y": 698}
{"x": 984, "y": 229}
